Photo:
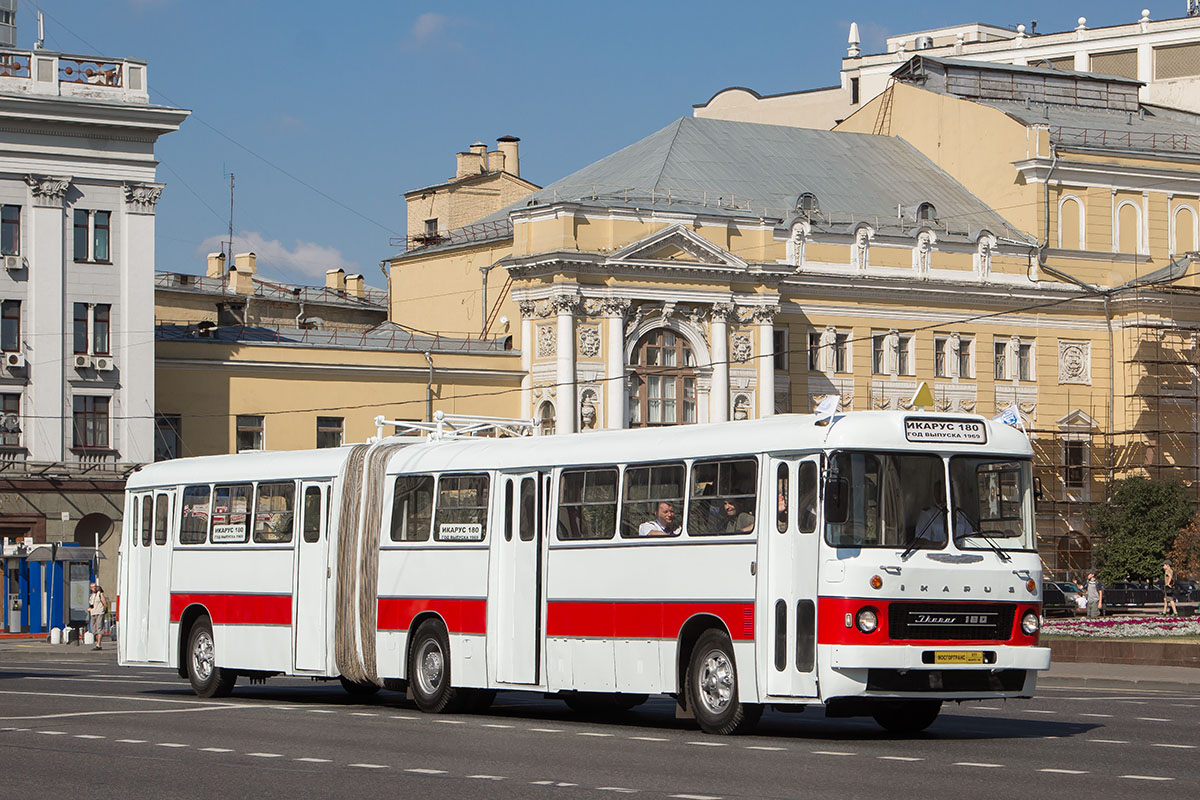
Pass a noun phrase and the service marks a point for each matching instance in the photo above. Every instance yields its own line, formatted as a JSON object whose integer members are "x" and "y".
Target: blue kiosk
{"x": 46, "y": 586}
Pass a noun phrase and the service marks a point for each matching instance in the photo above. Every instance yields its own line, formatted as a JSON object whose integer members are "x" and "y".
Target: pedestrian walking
{"x": 1169, "y": 589}
{"x": 97, "y": 608}
{"x": 1095, "y": 595}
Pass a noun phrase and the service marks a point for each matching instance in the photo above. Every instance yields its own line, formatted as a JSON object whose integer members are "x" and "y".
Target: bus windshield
{"x": 892, "y": 500}
{"x": 994, "y": 497}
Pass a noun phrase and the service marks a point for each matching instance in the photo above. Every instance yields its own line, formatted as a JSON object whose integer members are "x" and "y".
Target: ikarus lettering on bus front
{"x": 460, "y": 531}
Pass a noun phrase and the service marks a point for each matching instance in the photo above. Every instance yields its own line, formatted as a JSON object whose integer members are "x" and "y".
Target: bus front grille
{"x": 974, "y": 622}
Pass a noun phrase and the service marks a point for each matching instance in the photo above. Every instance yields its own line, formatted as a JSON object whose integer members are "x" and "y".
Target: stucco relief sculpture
{"x": 1075, "y": 362}
{"x": 983, "y": 256}
{"x": 741, "y": 407}
{"x": 48, "y": 190}
{"x": 795, "y": 245}
{"x": 547, "y": 341}
{"x": 142, "y": 197}
{"x": 740, "y": 347}
{"x": 923, "y": 254}
{"x": 589, "y": 341}
{"x": 860, "y": 256}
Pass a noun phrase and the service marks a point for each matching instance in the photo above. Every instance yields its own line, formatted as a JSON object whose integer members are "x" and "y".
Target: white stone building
{"x": 77, "y": 199}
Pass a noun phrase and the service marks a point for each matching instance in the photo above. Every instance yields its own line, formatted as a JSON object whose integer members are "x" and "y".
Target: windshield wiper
{"x": 997, "y": 549}
{"x": 915, "y": 544}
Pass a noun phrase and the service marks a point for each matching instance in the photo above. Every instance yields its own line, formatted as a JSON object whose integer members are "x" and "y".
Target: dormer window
{"x": 926, "y": 212}
{"x": 807, "y": 204}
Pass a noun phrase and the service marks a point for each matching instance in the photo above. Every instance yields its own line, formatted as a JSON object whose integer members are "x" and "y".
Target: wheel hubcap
{"x": 429, "y": 667}
{"x": 202, "y": 656}
{"x": 716, "y": 682}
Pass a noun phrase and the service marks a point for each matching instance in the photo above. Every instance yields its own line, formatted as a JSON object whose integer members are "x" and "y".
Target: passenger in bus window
{"x": 663, "y": 524}
{"x": 737, "y": 520}
{"x": 931, "y": 524}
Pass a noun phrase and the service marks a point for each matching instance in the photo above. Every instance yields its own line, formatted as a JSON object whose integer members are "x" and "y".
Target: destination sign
{"x": 933, "y": 429}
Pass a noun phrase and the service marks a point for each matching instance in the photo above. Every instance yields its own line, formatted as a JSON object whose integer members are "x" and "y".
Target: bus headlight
{"x": 867, "y": 620}
{"x": 1030, "y": 623}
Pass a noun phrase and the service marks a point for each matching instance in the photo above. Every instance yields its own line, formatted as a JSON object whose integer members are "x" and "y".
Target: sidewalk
{"x": 1116, "y": 676}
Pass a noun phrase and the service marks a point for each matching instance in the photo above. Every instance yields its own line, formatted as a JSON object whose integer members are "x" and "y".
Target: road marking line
{"x": 89, "y": 736}
{"x": 321, "y": 711}
{"x": 764, "y": 747}
{"x": 266, "y": 755}
{"x": 370, "y": 766}
{"x": 486, "y": 777}
{"x": 400, "y": 716}
{"x": 985, "y": 708}
{"x": 594, "y": 733}
{"x": 363, "y": 714}
{"x": 565, "y": 785}
{"x": 170, "y": 744}
{"x": 53, "y": 733}
{"x": 1038, "y": 711}
{"x": 1105, "y": 716}
{"x": 546, "y": 730}
{"x": 216, "y": 750}
{"x": 1065, "y": 771}
{"x": 308, "y": 760}
{"x": 618, "y": 789}
{"x": 831, "y": 753}
{"x": 1146, "y": 777}
{"x": 1184, "y": 705}
{"x": 708, "y": 744}
{"x": 1109, "y": 741}
{"x": 496, "y": 725}
{"x": 649, "y": 739}
{"x": 1152, "y": 719}
{"x": 695, "y": 797}
{"x": 1179, "y": 746}
{"x": 423, "y": 771}
{"x": 975, "y": 764}
{"x": 1134, "y": 702}
{"x": 899, "y": 758}
{"x": 132, "y": 741}
{"x": 451, "y": 721}
{"x": 542, "y": 783}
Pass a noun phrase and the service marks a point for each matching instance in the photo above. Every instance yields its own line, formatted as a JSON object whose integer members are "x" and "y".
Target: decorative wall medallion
{"x": 1074, "y": 362}
{"x": 547, "y": 341}
{"x": 589, "y": 341}
{"x": 741, "y": 347}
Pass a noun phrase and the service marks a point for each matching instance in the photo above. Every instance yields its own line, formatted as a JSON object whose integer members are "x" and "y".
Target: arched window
{"x": 926, "y": 212}
{"x": 1185, "y": 231}
{"x": 546, "y": 415}
{"x": 1129, "y": 228}
{"x": 807, "y": 204}
{"x": 665, "y": 371}
{"x": 1070, "y": 224}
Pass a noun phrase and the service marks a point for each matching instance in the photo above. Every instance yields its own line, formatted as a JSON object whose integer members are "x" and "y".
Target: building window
{"x": 1074, "y": 466}
{"x": 10, "y": 230}
{"x": 249, "y": 432}
{"x": 1025, "y": 361}
{"x": 329, "y": 431}
{"x": 93, "y": 232}
{"x": 546, "y": 415}
{"x": 854, "y": 91}
{"x": 904, "y": 359}
{"x": 841, "y": 355}
{"x": 80, "y": 337}
{"x": 966, "y": 358}
{"x": 814, "y": 351}
{"x": 666, "y": 375}
{"x": 879, "y": 354}
{"x": 168, "y": 442}
{"x": 779, "y": 340}
{"x": 1001, "y": 351}
{"x": 926, "y": 212}
{"x": 941, "y": 352}
{"x": 10, "y": 326}
{"x": 91, "y": 422}
{"x": 431, "y": 227}
{"x": 10, "y": 419}
{"x": 100, "y": 328}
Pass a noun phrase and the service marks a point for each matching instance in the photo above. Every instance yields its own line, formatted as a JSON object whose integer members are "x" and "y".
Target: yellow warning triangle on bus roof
{"x": 924, "y": 396}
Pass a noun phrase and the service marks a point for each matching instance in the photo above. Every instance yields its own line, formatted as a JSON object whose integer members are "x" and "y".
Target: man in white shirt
{"x": 663, "y": 523}
{"x": 931, "y": 525}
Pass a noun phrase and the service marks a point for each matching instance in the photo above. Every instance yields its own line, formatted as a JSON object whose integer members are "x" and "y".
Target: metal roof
{"x": 1023, "y": 69}
{"x": 1153, "y": 129}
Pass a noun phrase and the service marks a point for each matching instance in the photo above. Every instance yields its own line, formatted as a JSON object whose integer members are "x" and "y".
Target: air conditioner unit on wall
{"x": 14, "y": 262}
{"x": 14, "y": 360}
{"x": 83, "y": 362}
{"x": 103, "y": 363}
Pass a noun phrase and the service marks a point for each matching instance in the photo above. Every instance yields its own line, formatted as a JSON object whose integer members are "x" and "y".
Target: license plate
{"x": 958, "y": 657}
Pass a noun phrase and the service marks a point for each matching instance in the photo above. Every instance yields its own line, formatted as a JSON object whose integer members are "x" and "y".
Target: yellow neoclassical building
{"x": 1010, "y": 235}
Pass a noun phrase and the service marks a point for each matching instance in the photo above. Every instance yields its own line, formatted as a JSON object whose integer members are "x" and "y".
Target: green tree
{"x": 1137, "y": 526}
{"x": 1185, "y": 554}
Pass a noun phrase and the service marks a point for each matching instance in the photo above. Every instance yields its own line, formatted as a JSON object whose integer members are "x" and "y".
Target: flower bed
{"x": 1123, "y": 627}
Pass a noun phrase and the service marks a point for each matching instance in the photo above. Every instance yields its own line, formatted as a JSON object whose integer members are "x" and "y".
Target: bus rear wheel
{"x": 906, "y": 716}
{"x": 712, "y": 689}
{"x": 429, "y": 671}
{"x": 207, "y": 679}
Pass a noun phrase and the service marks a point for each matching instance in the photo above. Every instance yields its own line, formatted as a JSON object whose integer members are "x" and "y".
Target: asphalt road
{"x": 73, "y": 724}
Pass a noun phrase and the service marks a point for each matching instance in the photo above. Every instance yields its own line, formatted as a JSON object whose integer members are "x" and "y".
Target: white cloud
{"x": 303, "y": 262}
{"x": 429, "y": 30}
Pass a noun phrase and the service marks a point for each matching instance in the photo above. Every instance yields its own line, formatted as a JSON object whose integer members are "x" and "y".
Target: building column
{"x": 764, "y": 318}
{"x": 718, "y": 396}
{"x": 46, "y": 417}
{"x": 134, "y": 337}
{"x": 617, "y": 399}
{"x": 527, "y": 345}
{"x": 566, "y": 418}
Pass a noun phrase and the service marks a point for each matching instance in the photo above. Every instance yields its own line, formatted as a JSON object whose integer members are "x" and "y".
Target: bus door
{"x": 517, "y": 591}
{"x": 158, "y": 598}
{"x": 135, "y": 607}
{"x": 311, "y": 578}
{"x": 791, "y": 541}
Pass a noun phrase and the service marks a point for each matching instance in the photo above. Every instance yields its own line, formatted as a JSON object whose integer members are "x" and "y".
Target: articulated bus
{"x": 876, "y": 563}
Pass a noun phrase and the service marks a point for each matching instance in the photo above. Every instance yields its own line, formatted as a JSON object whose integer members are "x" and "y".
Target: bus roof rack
{"x": 452, "y": 426}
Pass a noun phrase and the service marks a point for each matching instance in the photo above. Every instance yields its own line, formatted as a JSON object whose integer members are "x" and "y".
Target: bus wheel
{"x": 207, "y": 679}
{"x": 712, "y": 689}
{"x": 429, "y": 671}
{"x": 906, "y": 716}
{"x": 356, "y": 689}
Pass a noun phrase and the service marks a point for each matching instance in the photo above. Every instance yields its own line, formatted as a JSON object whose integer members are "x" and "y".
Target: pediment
{"x": 678, "y": 244}
{"x": 1077, "y": 420}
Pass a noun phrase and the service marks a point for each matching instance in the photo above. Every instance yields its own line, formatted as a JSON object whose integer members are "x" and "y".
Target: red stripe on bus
{"x": 237, "y": 609}
{"x": 461, "y": 615}
{"x": 642, "y": 619}
{"x": 831, "y": 624}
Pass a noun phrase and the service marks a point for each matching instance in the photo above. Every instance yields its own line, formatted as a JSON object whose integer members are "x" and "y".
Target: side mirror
{"x": 837, "y": 500}
{"x": 1037, "y": 488}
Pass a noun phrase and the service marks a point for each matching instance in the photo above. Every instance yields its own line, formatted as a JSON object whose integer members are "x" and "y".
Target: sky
{"x": 326, "y": 113}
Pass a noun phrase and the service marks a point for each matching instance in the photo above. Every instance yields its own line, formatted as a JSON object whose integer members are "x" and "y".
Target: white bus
{"x": 879, "y": 564}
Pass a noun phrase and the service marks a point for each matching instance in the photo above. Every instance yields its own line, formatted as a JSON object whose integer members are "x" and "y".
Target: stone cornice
{"x": 48, "y": 190}
{"x": 141, "y": 198}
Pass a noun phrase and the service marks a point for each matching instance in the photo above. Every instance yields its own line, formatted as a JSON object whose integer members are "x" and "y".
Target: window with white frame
{"x": 249, "y": 432}
{"x": 814, "y": 351}
{"x": 10, "y": 407}
{"x": 966, "y": 357}
{"x": 904, "y": 355}
{"x": 91, "y": 422}
{"x": 330, "y": 431}
{"x": 1024, "y": 361}
{"x": 941, "y": 356}
{"x": 93, "y": 236}
{"x": 1000, "y": 350}
{"x": 1075, "y": 468}
{"x": 10, "y": 326}
{"x": 879, "y": 354}
{"x": 841, "y": 352}
{"x": 92, "y": 328}
{"x": 779, "y": 340}
{"x": 10, "y": 230}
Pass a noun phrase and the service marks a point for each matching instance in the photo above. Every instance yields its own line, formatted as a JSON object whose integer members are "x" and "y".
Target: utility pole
{"x": 229, "y": 244}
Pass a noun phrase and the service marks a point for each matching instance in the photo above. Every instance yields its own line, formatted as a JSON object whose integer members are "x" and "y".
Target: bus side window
{"x": 274, "y": 510}
{"x": 587, "y": 504}
{"x": 162, "y": 513}
{"x": 193, "y": 527}
{"x": 723, "y": 497}
{"x": 311, "y": 524}
{"x": 806, "y": 504}
{"x": 462, "y": 508}
{"x": 412, "y": 508}
{"x": 781, "y": 497}
{"x": 135, "y": 530}
{"x": 147, "y": 519}
{"x": 230, "y": 514}
{"x": 529, "y": 509}
{"x": 645, "y": 488}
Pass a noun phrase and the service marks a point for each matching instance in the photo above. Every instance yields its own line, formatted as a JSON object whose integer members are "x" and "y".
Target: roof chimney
{"x": 495, "y": 161}
{"x": 354, "y": 285}
{"x": 216, "y": 265}
{"x": 246, "y": 262}
{"x": 512, "y": 162}
{"x": 335, "y": 279}
{"x": 470, "y": 163}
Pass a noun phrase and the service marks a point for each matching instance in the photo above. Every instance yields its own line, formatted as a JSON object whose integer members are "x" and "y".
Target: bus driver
{"x": 663, "y": 523}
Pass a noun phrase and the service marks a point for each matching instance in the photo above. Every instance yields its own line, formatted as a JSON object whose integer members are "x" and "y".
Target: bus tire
{"x": 207, "y": 679}
{"x": 429, "y": 671}
{"x": 357, "y": 689}
{"x": 906, "y": 716}
{"x": 712, "y": 689}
